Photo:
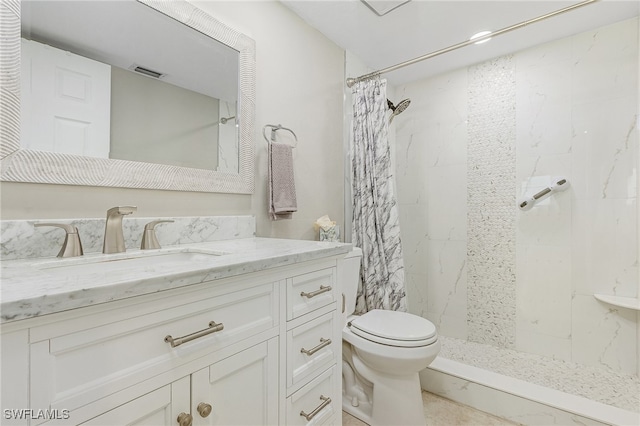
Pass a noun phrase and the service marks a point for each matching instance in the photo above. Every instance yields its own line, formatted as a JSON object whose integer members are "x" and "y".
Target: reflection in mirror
{"x": 138, "y": 145}
{"x": 119, "y": 80}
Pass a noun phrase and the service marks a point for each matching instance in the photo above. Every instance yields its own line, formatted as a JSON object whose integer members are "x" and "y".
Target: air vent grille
{"x": 147, "y": 71}
{"x": 382, "y": 7}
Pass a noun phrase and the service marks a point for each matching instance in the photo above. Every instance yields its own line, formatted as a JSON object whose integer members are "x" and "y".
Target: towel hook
{"x": 274, "y": 129}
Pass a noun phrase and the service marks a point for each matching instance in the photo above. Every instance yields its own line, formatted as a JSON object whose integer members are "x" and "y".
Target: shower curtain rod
{"x": 352, "y": 81}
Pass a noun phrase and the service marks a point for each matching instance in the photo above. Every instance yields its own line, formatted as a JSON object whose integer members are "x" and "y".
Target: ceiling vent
{"x": 382, "y": 7}
{"x": 146, "y": 71}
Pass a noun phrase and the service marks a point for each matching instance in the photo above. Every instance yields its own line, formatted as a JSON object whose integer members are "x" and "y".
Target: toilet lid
{"x": 402, "y": 328}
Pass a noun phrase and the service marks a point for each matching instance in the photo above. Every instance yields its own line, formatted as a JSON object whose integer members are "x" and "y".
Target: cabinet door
{"x": 14, "y": 365}
{"x": 240, "y": 390}
{"x": 158, "y": 408}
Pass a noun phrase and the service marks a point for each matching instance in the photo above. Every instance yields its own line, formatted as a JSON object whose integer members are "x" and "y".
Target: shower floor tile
{"x": 444, "y": 412}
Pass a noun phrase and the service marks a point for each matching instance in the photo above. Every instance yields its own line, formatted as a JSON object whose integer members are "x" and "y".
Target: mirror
{"x": 207, "y": 84}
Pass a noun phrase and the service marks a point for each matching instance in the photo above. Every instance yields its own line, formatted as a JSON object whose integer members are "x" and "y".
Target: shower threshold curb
{"x": 559, "y": 400}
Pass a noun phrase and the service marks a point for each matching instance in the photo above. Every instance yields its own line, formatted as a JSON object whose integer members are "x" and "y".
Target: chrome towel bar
{"x": 274, "y": 129}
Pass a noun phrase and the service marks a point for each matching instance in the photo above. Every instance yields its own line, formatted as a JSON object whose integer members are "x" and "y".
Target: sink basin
{"x": 157, "y": 261}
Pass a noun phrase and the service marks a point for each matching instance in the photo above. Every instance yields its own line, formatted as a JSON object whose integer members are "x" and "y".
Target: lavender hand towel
{"x": 282, "y": 187}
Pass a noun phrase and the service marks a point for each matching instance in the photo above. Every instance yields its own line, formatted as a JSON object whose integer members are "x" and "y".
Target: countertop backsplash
{"x": 19, "y": 239}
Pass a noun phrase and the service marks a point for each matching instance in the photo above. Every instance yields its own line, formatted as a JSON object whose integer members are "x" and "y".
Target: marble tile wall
{"x": 431, "y": 175}
{"x": 577, "y": 101}
{"x": 19, "y": 239}
{"x": 576, "y": 115}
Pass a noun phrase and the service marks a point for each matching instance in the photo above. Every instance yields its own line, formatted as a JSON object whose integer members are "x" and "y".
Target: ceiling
{"x": 423, "y": 26}
{"x": 126, "y": 34}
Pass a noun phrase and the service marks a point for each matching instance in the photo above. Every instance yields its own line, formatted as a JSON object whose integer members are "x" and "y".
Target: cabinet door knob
{"x": 204, "y": 409}
{"x": 185, "y": 419}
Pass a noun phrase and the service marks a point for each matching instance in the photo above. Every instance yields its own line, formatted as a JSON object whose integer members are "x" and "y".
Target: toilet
{"x": 382, "y": 354}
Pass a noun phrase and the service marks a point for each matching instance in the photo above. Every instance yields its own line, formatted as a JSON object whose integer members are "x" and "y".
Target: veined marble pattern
{"x": 432, "y": 193}
{"x": 595, "y": 383}
{"x": 577, "y": 109}
{"x": 532, "y": 273}
{"x": 19, "y": 239}
{"x": 376, "y": 223}
{"x": 33, "y": 288}
{"x": 491, "y": 172}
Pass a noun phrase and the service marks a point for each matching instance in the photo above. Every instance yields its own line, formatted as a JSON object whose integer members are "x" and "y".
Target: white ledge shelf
{"x": 624, "y": 302}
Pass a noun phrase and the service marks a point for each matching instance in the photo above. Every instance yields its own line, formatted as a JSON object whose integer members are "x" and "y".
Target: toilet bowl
{"x": 383, "y": 352}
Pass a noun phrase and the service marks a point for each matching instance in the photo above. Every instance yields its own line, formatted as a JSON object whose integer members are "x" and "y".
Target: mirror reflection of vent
{"x": 147, "y": 71}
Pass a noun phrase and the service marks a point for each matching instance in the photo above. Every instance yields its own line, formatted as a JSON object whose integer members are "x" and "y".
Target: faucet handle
{"x": 71, "y": 246}
{"x": 149, "y": 238}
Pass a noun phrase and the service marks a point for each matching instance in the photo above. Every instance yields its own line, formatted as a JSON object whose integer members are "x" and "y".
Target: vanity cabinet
{"x": 250, "y": 349}
{"x": 312, "y": 347}
{"x": 77, "y": 361}
{"x": 239, "y": 390}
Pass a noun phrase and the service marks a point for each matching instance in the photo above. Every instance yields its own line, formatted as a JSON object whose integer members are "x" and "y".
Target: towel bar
{"x": 274, "y": 129}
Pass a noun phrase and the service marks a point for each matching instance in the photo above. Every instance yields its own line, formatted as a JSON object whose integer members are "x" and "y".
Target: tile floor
{"x": 444, "y": 412}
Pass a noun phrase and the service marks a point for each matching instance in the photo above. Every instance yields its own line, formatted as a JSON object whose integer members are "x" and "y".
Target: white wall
{"x": 576, "y": 106}
{"x": 157, "y": 122}
{"x": 299, "y": 85}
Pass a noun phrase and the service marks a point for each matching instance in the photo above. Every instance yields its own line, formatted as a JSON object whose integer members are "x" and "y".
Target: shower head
{"x": 397, "y": 109}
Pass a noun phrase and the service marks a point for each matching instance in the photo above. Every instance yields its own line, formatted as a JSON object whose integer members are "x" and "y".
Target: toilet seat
{"x": 394, "y": 328}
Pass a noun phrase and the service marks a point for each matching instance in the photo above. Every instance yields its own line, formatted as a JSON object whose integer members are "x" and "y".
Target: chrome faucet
{"x": 113, "y": 236}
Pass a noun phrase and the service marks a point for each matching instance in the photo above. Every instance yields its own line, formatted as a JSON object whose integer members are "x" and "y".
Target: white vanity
{"x": 243, "y": 331}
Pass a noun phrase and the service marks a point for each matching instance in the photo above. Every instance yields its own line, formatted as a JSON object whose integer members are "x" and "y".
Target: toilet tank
{"x": 349, "y": 279}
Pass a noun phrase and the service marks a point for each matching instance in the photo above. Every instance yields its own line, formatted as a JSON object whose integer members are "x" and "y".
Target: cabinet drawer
{"x": 311, "y": 348}
{"x": 71, "y": 370}
{"x": 310, "y": 291}
{"x": 319, "y": 400}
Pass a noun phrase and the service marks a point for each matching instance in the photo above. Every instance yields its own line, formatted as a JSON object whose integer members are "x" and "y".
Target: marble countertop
{"x": 35, "y": 287}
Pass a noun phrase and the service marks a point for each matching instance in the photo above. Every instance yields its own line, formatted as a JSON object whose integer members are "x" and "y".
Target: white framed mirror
{"x": 151, "y": 156}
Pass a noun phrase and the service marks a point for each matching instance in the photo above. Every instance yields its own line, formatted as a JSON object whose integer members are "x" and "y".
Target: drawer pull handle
{"x": 185, "y": 419}
{"x": 213, "y": 327}
{"x": 323, "y": 289}
{"x": 325, "y": 401}
{"x": 323, "y": 343}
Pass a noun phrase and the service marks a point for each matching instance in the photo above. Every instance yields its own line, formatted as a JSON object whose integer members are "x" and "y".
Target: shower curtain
{"x": 376, "y": 227}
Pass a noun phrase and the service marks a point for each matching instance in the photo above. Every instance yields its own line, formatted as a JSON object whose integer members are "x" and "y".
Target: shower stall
{"x": 510, "y": 290}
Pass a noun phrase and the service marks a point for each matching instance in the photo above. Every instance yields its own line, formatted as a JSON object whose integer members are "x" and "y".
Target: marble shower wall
{"x": 486, "y": 272}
